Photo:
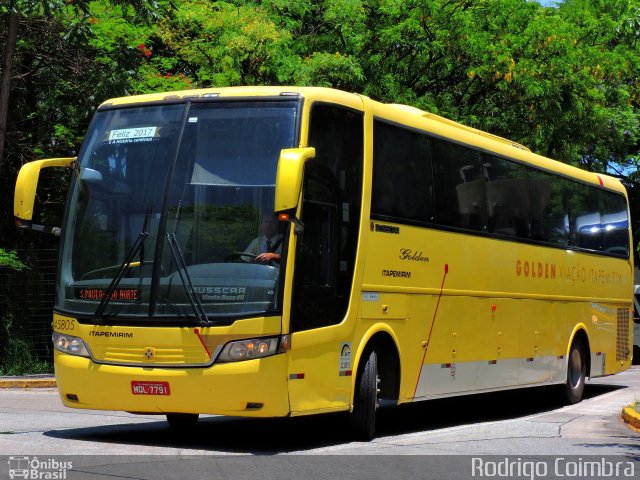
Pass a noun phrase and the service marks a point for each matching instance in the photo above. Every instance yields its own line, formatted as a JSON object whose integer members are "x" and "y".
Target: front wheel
{"x": 365, "y": 400}
{"x": 576, "y": 373}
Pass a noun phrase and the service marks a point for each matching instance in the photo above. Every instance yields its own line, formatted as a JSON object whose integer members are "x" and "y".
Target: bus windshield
{"x": 164, "y": 205}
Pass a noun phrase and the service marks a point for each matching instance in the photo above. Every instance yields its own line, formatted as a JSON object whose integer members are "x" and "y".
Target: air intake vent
{"x": 622, "y": 341}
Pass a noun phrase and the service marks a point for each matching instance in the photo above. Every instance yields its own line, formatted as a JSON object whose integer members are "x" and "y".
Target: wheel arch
{"x": 385, "y": 344}
{"x": 580, "y": 334}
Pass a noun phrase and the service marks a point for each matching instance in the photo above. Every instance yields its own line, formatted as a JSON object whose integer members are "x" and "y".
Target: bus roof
{"x": 245, "y": 91}
{"x": 438, "y": 118}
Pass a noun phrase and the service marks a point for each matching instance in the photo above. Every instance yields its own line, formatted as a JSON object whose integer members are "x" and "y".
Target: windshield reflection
{"x": 196, "y": 179}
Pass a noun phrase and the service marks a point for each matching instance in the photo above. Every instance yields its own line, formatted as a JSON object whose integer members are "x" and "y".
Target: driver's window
{"x": 325, "y": 253}
{"x": 316, "y": 264}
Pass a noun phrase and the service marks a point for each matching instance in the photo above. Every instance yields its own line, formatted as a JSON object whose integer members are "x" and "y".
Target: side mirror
{"x": 289, "y": 177}
{"x": 25, "y": 192}
{"x": 90, "y": 175}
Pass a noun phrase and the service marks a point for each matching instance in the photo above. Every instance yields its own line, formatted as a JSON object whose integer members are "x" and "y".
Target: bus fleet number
{"x": 64, "y": 324}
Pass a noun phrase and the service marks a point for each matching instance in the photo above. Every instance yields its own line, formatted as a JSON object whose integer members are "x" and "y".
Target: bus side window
{"x": 402, "y": 183}
{"x": 507, "y": 189}
{"x": 459, "y": 186}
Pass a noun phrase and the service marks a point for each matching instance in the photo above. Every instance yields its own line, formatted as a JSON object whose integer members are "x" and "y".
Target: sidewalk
{"x": 28, "y": 381}
{"x": 631, "y": 416}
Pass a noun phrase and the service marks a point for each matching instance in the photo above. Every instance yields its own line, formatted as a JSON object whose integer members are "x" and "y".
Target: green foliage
{"x": 224, "y": 228}
{"x": 512, "y": 68}
{"x": 9, "y": 259}
{"x": 18, "y": 358}
{"x": 330, "y": 70}
{"x": 25, "y": 345}
{"x": 560, "y": 80}
{"x": 31, "y": 7}
{"x": 218, "y": 43}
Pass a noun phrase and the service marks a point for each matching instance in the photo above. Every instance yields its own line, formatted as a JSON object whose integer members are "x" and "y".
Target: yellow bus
{"x": 418, "y": 259}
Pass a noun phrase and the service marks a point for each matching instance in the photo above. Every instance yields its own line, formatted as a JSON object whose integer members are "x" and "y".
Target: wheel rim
{"x": 575, "y": 368}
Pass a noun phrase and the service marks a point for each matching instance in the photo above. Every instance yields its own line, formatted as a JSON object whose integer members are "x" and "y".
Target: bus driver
{"x": 268, "y": 246}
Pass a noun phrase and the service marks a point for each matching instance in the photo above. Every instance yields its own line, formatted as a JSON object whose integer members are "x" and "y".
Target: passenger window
{"x": 508, "y": 205}
{"x": 402, "y": 182}
{"x": 459, "y": 186}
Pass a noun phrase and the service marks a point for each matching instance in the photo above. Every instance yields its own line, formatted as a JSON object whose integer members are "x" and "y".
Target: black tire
{"x": 576, "y": 373}
{"x": 636, "y": 355}
{"x": 182, "y": 422}
{"x": 365, "y": 401}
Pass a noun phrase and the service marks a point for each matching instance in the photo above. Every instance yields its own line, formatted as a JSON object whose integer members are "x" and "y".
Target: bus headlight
{"x": 248, "y": 349}
{"x": 70, "y": 344}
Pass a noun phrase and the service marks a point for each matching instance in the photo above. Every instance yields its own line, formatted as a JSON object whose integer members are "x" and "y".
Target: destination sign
{"x": 118, "y": 295}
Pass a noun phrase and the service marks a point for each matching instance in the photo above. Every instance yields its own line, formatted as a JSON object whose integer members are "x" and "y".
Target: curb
{"x": 632, "y": 417}
{"x": 27, "y": 382}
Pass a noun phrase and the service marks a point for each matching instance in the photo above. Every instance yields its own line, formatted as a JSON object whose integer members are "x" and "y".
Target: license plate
{"x": 150, "y": 388}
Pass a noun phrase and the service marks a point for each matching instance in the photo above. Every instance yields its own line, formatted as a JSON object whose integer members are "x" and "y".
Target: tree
{"x": 5, "y": 81}
{"x": 208, "y": 43}
{"x": 13, "y": 10}
{"x": 56, "y": 84}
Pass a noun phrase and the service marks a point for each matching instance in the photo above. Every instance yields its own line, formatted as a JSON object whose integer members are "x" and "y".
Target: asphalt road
{"x": 442, "y": 437}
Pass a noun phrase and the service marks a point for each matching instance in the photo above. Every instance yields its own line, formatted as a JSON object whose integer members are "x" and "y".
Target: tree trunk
{"x": 5, "y": 85}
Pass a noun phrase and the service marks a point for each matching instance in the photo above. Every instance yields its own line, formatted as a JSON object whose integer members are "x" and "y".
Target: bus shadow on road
{"x": 282, "y": 435}
{"x": 480, "y": 408}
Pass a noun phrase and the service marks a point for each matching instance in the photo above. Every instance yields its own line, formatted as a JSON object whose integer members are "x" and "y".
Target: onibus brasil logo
{"x": 35, "y": 468}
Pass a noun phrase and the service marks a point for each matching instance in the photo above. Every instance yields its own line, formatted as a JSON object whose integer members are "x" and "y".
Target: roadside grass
{"x": 18, "y": 358}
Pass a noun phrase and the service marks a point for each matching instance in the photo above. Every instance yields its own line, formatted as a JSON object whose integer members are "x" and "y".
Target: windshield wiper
{"x": 186, "y": 280}
{"x": 138, "y": 246}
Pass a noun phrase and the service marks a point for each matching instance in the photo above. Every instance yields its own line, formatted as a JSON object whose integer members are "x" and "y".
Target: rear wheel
{"x": 182, "y": 422}
{"x": 576, "y": 373}
{"x": 365, "y": 401}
